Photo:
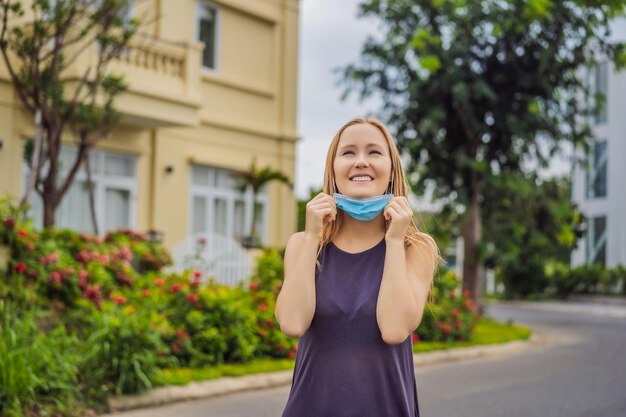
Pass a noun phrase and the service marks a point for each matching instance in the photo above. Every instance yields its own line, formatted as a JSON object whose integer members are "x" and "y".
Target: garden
{"x": 84, "y": 318}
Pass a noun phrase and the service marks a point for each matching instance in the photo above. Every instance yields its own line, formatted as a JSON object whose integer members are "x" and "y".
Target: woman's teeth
{"x": 361, "y": 179}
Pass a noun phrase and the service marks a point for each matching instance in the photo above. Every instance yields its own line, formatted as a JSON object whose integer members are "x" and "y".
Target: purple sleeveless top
{"x": 343, "y": 367}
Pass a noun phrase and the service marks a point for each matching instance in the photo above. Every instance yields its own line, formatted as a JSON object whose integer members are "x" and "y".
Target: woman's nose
{"x": 361, "y": 161}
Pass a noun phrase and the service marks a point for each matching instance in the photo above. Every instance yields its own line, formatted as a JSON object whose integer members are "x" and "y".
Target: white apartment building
{"x": 600, "y": 190}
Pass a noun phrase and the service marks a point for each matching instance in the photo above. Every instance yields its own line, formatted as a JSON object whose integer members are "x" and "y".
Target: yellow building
{"x": 211, "y": 85}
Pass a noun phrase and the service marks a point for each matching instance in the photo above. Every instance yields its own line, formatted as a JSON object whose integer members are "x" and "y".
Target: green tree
{"x": 470, "y": 88}
{"x": 527, "y": 223}
{"x": 256, "y": 179}
{"x": 40, "y": 50}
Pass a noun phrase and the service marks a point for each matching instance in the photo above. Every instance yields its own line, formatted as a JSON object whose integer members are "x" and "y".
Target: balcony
{"x": 163, "y": 79}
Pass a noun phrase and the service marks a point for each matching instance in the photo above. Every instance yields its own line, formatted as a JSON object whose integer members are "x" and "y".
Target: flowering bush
{"x": 451, "y": 317}
{"x": 264, "y": 287}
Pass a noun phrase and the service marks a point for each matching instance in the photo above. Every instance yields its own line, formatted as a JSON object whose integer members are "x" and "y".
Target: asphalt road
{"x": 580, "y": 373}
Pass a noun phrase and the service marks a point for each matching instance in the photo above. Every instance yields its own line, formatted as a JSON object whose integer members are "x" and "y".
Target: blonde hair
{"x": 400, "y": 187}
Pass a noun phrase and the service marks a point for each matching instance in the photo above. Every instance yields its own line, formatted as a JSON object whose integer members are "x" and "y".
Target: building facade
{"x": 212, "y": 85}
{"x": 598, "y": 188}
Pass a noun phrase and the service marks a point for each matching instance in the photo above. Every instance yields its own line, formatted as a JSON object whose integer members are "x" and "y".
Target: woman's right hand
{"x": 320, "y": 210}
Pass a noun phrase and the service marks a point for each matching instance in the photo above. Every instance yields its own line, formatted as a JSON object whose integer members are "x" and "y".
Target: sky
{"x": 331, "y": 36}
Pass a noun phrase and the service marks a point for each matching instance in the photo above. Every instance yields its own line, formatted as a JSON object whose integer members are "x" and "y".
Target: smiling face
{"x": 362, "y": 164}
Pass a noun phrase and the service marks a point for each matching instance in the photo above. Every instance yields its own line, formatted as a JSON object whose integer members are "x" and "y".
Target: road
{"x": 580, "y": 373}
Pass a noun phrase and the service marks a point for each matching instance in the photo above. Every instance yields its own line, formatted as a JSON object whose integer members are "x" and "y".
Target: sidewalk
{"x": 227, "y": 385}
{"x": 598, "y": 307}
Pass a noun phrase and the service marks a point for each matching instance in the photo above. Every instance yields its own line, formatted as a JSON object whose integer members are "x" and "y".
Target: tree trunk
{"x": 92, "y": 202}
{"x": 34, "y": 163}
{"x": 253, "y": 228}
{"x": 472, "y": 236}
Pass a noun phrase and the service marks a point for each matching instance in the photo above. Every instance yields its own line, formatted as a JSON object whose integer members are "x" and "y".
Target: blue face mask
{"x": 363, "y": 208}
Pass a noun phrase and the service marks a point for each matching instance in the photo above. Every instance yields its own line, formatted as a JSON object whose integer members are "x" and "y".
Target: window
{"x": 218, "y": 207}
{"x": 115, "y": 188}
{"x": 596, "y": 241}
{"x": 597, "y": 172}
{"x": 599, "y": 91}
{"x": 207, "y": 28}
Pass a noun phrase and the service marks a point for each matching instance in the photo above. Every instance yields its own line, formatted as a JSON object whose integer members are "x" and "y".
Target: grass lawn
{"x": 486, "y": 332}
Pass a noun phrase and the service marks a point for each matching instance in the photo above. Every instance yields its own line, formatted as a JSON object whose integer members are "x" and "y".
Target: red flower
{"x": 458, "y": 324}
{"x": 280, "y": 346}
{"x": 124, "y": 279}
{"x": 83, "y": 279}
{"x": 195, "y": 283}
{"x": 22, "y": 233}
{"x": 9, "y": 223}
{"x": 20, "y": 268}
{"x": 182, "y": 335}
{"x": 201, "y": 241}
{"x": 416, "y": 338}
{"x": 263, "y": 307}
{"x": 253, "y": 286}
{"x": 455, "y": 313}
{"x": 124, "y": 254}
{"x": 145, "y": 292}
{"x": 176, "y": 347}
{"x": 119, "y": 299}
{"x": 467, "y": 293}
{"x": 93, "y": 294}
{"x": 469, "y": 304}
{"x": 192, "y": 297}
{"x": 446, "y": 328}
{"x": 269, "y": 324}
{"x": 55, "y": 277}
{"x": 84, "y": 256}
{"x": 197, "y": 274}
{"x": 159, "y": 282}
{"x": 175, "y": 288}
{"x": 262, "y": 332}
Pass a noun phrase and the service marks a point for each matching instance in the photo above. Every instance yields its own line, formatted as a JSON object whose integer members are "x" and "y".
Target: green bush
{"x": 451, "y": 317}
{"x": 120, "y": 355}
{"x": 38, "y": 375}
{"x": 264, "y": 287}
{"x": 585, "y": 279}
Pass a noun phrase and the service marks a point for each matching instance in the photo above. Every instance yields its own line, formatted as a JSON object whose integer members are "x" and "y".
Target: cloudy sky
{"x": 331, "y": 36}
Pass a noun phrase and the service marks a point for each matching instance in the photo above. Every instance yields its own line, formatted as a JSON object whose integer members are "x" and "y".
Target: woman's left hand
{"x": 400, "y": 213}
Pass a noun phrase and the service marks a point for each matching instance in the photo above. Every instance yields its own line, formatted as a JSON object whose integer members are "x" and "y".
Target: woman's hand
{"x": 320, "y": 210}
{"x": 400, "y": 213}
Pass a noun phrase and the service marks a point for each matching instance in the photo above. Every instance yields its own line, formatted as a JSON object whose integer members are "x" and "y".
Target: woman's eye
{"x": 347, "y": 152}
{"x": 378, "y": 152}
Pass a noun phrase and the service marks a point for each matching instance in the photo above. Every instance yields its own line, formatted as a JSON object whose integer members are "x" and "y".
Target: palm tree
{"x": 257, "y": 179}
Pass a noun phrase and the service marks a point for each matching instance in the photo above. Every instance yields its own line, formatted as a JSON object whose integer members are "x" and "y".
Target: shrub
{"x": 38, "y": 375}
{"x": 451, "y": 317}
{"x": 120, "y": 355}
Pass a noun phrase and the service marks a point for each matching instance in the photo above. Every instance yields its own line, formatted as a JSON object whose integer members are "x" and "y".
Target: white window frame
{"x": 594, "y": 169}
{"x": 599, "y": 80}
{"x": 594, "y": 243}
{"x": 202, "y": 5}
{"x": 211, "y": 193}
{"x": 102, "y": 182}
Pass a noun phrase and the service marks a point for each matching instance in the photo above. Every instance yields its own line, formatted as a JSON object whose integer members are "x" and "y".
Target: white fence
{"x": 216, "y": 256}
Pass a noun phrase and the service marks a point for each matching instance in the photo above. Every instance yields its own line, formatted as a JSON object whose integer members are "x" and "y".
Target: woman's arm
{"x": 396, "y": 309}
{"x": 295, "y": 305}
{"x": 407, "y": 275}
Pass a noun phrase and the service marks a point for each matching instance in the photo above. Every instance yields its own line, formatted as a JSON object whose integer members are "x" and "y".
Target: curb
{"x": 228, "y": 385}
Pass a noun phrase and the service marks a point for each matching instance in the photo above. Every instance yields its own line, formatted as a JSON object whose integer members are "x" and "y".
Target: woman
{"x": 356, "y": 283}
